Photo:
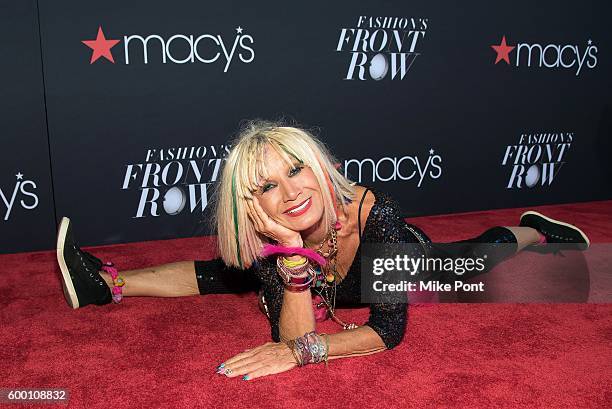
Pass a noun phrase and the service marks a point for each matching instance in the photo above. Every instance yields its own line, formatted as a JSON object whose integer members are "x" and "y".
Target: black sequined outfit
{"x": 384, "y": 224}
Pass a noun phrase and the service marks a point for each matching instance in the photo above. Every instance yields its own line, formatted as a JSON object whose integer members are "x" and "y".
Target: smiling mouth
{"x": 299, "y": 207}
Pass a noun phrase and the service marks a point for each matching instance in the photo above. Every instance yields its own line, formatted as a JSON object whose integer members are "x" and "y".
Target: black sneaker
{"x": 555, "y": 231}
{"x": 81, "y": 279}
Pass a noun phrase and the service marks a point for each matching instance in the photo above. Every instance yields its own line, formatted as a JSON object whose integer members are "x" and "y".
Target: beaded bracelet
{"x": 118, "y": 281}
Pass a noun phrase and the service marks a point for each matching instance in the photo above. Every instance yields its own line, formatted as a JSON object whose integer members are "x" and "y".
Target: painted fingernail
{"x": 221, "y": 366}
{"x": 220, "y": 371}
{"x": 245, "y": 378}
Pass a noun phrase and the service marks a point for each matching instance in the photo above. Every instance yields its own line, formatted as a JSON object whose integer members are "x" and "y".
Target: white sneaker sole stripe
{"x": 584, "y": 236}
{"x": 68, "y": 287}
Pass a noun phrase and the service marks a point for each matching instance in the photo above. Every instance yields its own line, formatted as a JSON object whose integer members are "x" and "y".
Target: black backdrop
{"x": 88, "y": 133}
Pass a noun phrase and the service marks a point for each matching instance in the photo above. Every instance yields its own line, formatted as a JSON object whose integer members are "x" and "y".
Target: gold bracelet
{"x": 326, "y": 338}
{"x": 327, "y": 351}
{"x": 291, "y": 345}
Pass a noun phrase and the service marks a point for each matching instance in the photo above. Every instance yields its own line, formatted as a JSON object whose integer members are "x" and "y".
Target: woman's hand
{"x": 267, "y": 359}
{"x": 265, "y": 225}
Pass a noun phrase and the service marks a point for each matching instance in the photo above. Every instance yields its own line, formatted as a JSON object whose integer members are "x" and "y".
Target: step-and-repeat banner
{"x": 119, "y": 114}
{"x": 27, "y": 220}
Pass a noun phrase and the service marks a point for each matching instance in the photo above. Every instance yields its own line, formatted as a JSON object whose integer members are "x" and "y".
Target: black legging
{"x": 494, "y": 245}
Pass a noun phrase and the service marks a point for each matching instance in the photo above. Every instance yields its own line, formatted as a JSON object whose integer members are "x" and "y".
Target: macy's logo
{"x": 393, "y": 168}
{"x": 23, "y": 189}
{"x": 548, "y": 56}
{"x": 205, "y": 48}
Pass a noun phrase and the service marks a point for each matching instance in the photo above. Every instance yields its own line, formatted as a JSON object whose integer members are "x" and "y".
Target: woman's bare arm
{"x": 297, "y": 316}
{"x": 355, "y": 342}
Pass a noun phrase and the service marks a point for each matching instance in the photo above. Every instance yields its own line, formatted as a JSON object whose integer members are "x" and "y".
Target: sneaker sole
{"x": 584, "y": 236}
{"x": 67, "y": 286}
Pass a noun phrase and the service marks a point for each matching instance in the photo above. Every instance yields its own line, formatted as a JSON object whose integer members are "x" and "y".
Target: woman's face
{"x": 291, "y": 194}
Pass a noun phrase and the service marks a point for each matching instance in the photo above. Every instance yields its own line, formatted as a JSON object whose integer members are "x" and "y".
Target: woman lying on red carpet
{"x": 289, "y": 222}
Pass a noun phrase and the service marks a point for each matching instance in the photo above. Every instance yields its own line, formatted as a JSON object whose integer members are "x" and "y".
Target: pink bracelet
{"x": 272, "y": 249}
{"x": 118, "y": 282}
{"x": 299, "y": 287}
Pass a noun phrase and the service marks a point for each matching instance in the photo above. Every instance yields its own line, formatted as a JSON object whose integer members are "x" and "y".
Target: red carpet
{"x": 154, "y": 352}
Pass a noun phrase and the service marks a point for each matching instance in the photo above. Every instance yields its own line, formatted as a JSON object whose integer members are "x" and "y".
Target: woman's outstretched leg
{"x": 525, "y": 236}
{"x": 504, "y": 242}
{"x": 185, "y": 278}
{"x": 84, "y": 282}
{"x": 166, "y": 280}
{"x": 497, "y": 244}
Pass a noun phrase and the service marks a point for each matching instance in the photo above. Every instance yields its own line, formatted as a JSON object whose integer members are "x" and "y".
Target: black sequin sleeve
{"x": 386, "y": 225}
{"x": 273, "y": 290}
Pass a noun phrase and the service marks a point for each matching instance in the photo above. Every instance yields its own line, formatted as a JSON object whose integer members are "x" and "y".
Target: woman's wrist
{"x": 297, "y": 276}
{"x": 295, "y": 242}
{"x": 311, "y": 348}
{"x": 292, "y": 251}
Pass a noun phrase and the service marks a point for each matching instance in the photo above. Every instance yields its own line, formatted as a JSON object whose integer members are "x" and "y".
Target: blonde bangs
{"x": 254, "y": 166}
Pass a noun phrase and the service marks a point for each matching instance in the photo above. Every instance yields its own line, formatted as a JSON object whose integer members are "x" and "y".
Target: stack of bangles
{"x": 311, "y": 348}
{"x": 297, "y": 275}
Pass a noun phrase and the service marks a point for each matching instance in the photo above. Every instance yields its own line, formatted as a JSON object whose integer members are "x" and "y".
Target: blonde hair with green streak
{"x": 239, "y": 244}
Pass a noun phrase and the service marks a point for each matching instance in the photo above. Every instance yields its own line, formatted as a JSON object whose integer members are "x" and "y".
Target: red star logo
{"x": 503, "y": 51}
{"x": 101, "y": 47}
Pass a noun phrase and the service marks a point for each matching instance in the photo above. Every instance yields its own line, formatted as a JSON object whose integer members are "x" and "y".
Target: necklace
{"x": 328, "y": 277}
